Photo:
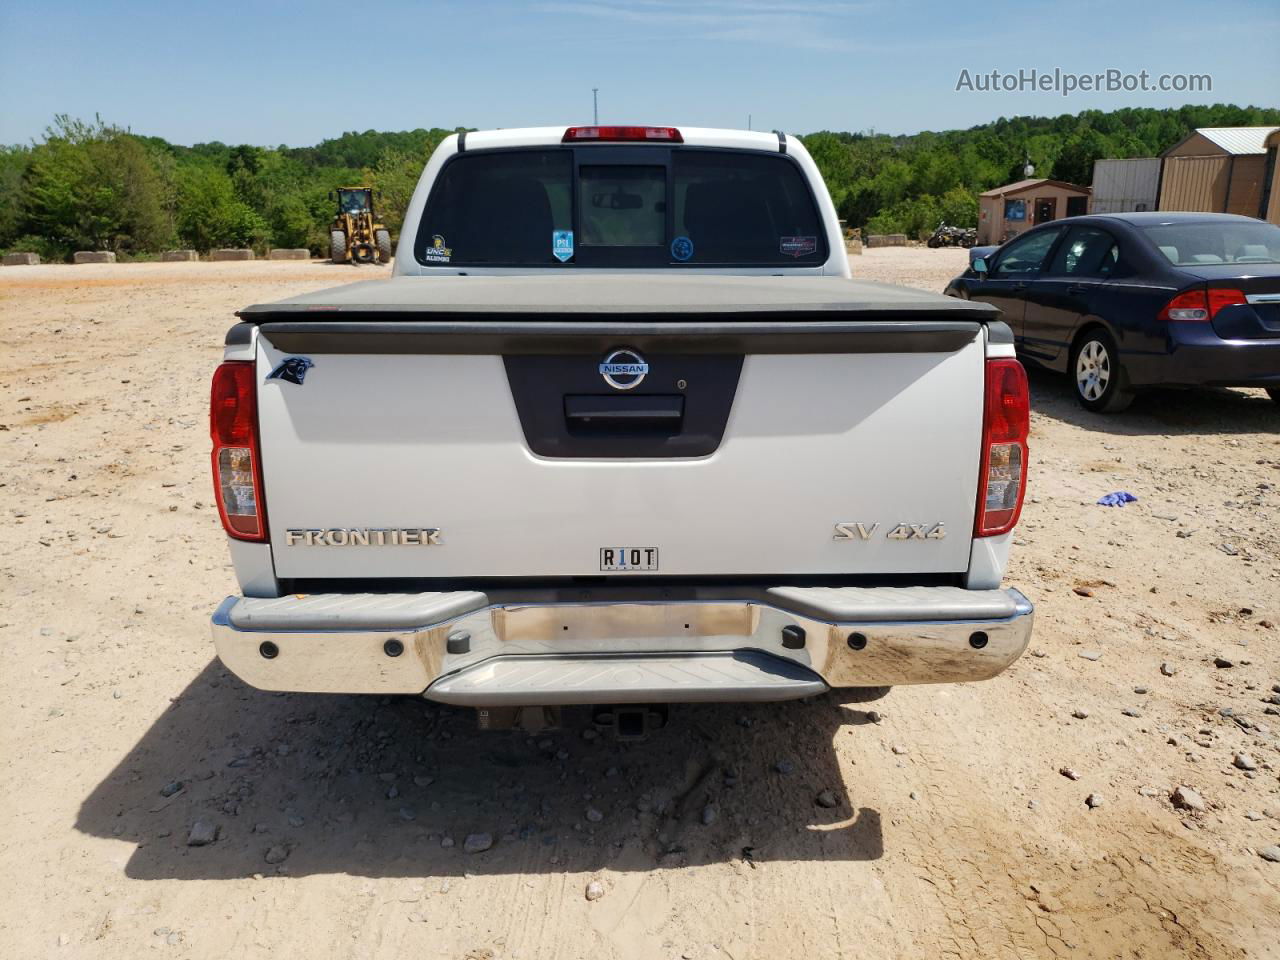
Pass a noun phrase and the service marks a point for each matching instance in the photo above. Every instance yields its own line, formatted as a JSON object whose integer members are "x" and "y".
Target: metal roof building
{"x": 1234, "y": 141}
{"x": 1220, "y": 170}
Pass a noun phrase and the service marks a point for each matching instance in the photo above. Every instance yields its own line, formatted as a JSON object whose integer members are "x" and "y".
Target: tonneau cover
{"x": 633, "y": 295}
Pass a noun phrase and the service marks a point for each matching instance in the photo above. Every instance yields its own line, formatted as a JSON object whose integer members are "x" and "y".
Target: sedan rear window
{"x": 589, "y": 206}
{"x": 1197, "y": 244}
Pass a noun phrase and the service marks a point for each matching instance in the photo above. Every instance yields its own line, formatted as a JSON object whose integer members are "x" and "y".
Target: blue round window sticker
{"x": 681, "y": 248}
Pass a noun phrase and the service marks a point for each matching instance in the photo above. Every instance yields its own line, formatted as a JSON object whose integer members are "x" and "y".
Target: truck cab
{"x": 621, "y": 198}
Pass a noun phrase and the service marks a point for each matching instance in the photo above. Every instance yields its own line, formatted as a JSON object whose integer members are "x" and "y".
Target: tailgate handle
{"x": 643, "y": 412}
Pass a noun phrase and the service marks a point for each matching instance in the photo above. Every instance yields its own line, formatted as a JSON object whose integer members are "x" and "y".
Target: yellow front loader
{"x": 356, "y": 236}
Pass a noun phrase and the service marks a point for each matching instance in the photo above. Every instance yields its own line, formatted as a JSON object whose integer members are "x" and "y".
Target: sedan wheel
{"x": 1093, "y": 371}
{"x": 1098, "y": 375}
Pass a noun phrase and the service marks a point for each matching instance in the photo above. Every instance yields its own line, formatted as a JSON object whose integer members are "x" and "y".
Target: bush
{"x": 49, "y": 251}
{"x": 211, "y": 216}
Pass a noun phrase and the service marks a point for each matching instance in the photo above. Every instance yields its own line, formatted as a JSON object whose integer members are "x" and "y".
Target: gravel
{"x": 477, "y": 842}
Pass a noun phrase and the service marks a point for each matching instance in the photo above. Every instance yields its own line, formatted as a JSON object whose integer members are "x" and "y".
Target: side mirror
{"x": 979, "y": 265}
{"x": 331, "y": 195}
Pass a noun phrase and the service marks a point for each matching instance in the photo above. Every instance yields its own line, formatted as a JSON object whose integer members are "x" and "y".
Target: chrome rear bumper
{"x": 711, "y": 645}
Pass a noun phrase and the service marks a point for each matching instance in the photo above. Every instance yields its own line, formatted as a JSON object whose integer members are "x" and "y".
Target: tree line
{"x": 906, "y": 184}
{"x": 97, "y": 186}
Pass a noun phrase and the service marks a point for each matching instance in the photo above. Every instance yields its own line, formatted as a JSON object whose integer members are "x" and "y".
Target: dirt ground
{"x": 955, "y": 832}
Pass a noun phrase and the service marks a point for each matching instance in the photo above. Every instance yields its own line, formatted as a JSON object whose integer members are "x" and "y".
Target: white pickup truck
{"x": 620, "y": 430}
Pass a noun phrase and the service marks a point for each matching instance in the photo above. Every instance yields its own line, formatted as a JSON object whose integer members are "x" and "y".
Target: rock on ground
{"x": 202, "y": 833}
{"x": 1188, "y": 799}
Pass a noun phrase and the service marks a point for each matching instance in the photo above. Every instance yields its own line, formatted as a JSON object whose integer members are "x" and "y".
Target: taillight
{"x": 1189, "y": 305}
{"x": 237, "y": 463}
{"x": 1201, "y": 304}
{"x": 1006, "y": 421}
{"x": 603, "y": 134}
{"x": 1220, "y": 297}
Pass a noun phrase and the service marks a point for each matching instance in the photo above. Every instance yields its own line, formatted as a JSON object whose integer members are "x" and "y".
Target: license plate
{"x": 628, "y": 559}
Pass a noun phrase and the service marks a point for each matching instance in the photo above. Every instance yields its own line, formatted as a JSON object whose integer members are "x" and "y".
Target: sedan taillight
{"x": 237, "y": 463}
{"x": 1220, "y": 297}
{"x": 1006, "y": 421}
{"x": 1201, "y": 304}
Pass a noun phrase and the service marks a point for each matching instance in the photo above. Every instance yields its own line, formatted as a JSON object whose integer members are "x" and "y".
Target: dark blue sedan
{"x": 1121, "y": 301}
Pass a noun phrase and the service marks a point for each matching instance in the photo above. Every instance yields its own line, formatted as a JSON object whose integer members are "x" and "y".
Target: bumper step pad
{"x": 740, "y": 676}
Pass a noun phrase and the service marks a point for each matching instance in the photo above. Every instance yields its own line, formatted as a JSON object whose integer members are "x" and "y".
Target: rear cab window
{"x": 620, "y": 206}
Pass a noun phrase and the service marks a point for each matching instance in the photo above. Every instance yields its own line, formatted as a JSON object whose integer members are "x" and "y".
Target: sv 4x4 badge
{"x": 903, "y": 531}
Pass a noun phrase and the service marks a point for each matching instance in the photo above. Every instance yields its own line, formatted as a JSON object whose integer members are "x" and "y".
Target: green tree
{"x": 210, "y": 215}
{"x": 959, "y": 207}
{"x": 13, "y": 166}
{"x": 96, "y": 187}
{"x": 394, "y": 178}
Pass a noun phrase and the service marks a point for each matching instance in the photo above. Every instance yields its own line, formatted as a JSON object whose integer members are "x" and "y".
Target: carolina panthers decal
{"x": 292, "y": 369}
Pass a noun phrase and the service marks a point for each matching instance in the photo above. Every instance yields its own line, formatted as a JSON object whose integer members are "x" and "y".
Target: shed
{"x": 1004, "y": 212}
{"x": 1125, "y": 186}
{"x": 1219, "y": 170}
{"x": 1271, "y": 189}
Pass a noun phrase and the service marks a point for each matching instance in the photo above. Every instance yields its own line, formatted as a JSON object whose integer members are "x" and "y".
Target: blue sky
{"x": 259, "y": 72}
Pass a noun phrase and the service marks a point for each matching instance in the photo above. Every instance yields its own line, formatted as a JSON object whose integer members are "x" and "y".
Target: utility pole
{"x": 748, "y": 121}
{"x": 595, "y": 107}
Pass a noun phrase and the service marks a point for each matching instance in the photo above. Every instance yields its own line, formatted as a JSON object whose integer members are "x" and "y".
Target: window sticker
{"x": 681, "y": 249}
{"x": 797, "y": 246}
{"x": 562, "y": 244}
{"x": 437, "y": 252}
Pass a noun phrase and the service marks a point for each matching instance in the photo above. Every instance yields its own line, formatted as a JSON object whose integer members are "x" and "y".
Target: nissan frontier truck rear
{"x": 620, "y": 430}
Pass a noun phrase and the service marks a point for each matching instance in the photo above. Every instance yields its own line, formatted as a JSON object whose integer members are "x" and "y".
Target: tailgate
{"x": 737, "y": 454}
